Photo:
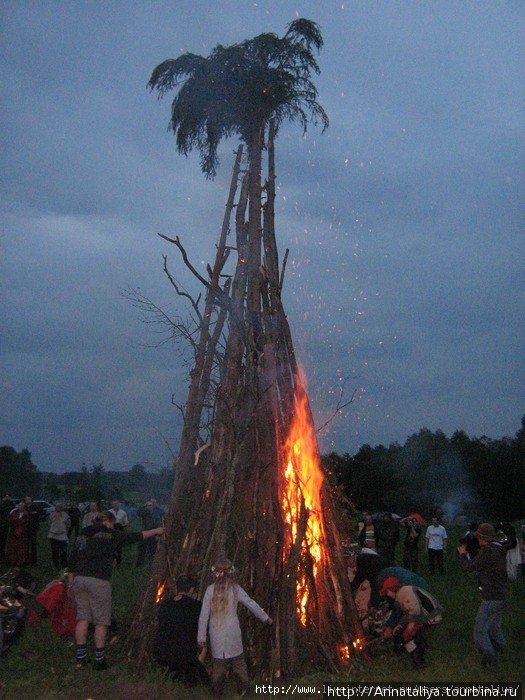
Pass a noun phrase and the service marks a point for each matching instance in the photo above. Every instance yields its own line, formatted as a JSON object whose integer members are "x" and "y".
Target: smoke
{"x": 438, "y": 476}
{"x": 458, "y": 504}
{"x": 457, "y": 497}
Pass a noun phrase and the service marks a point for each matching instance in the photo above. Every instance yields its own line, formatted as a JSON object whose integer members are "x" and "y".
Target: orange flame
{"x": 303, "y": 479}
{"x": 344, "y": 653}
{"x": 160, "y": 592}
{"x": 359, "y": 643}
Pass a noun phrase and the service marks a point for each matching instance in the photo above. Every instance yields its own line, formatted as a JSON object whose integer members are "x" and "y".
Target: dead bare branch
{"x": 176, "y": 241}
{"x": 339, "y": 406}
{"x": 153, "y": 313}
{"x": 165, "y": 440}
{"x": 182, "y": 293}
{"x": 281, "y": 279}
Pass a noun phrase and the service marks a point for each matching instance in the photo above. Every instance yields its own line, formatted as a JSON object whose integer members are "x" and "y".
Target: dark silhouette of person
{"x": 387, "y": 537}
{"x": 175, "y": 645}
{"x": 6, "y": 506}
{"x": 74, "y": 516}
{"x": 34, "y": 527}
{"x": 17, "y": 542}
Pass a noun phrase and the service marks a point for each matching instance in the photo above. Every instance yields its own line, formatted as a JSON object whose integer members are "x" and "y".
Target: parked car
{"x": 44, "y": 507}
{"x": 378, "y": 516}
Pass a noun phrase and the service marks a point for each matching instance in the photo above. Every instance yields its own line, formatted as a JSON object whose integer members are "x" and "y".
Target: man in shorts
{"x": 89, "y": 579}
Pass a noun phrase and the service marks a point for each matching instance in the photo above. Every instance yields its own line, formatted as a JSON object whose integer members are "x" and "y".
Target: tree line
{"x": 20, "y": 477}
{"x": 431, "y": 473}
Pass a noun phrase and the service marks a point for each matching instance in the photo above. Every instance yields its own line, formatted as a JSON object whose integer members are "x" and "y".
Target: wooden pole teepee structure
{"x": 253, "y": 488}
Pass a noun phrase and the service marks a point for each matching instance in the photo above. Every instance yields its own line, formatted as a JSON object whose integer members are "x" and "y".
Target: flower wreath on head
{"x": 219, "y": 570}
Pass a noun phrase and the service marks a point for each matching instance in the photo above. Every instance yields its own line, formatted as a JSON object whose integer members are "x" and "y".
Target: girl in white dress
{"x": 219, "y": 618}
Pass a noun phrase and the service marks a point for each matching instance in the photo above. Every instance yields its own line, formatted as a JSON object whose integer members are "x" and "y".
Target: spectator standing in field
{"x": 361, "y": 522}
{"x": 151, "y": 516}
{"x": 522, "y": 549}
{"x": 6, "y": 506}
{"x": 411, "y": 544}
{"x": 59, "y": 523}
{"x": 158, "y": 512}
{"x": 470, "y": 540}
{"x": 368, "y": 536}
{"x": 17, "y": 542}
{"x": 90, "y": 570}
{"x": 92, "y": 514}
{"x": 219, "y": 617}
{"x": 121, "y": 522}
{"x": 121, "y": 517}
{"x": 491, "y": 569}
{"x": 436, "y": 538}
{"x": 34, "y": 527}
{"x": 387, "y": 536}
{"x": 175, "y": 644}
{"x": 74, "y": 516}
{"x": 507, "y": 537}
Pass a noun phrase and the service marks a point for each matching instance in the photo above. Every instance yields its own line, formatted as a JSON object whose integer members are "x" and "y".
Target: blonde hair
{"x": 224, "y": 574}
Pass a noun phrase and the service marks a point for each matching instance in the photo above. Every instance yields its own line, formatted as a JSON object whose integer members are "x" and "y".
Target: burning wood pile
{"x": 249, "y": 484}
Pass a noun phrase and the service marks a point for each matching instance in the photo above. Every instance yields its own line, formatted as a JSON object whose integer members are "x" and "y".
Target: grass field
{"x": 41, "y": 665}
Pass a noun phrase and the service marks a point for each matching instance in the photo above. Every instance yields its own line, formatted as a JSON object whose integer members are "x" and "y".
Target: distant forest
{"x": 433, "y": 474}
{"x": 430, "y": 473}
{"x": 19, "y": 477}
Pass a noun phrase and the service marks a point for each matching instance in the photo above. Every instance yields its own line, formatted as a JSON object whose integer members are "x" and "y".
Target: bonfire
{"x": 249, "y": 483}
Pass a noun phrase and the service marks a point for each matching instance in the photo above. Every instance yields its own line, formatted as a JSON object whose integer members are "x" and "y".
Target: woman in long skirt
{"x": 17, "y": 543}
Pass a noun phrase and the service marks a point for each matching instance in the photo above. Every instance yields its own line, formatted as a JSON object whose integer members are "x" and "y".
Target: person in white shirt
{"x": 91, "y": 515}
{"x": 59, "y": 523}
{"x": 436, "y": 537}
{"x": 219, "y": 614}
{"x": 121, "y": 523}
{"x": 121, "y": 517}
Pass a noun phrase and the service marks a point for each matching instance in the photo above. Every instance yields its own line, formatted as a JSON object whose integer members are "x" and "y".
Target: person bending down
{"x": 415, "y": 610}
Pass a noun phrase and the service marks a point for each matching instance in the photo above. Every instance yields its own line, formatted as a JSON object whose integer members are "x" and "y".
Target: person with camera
{"x": 491, "y": 568}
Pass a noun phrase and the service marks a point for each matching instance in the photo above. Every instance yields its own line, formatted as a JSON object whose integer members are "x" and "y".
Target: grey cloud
{"x": 403, "y": 221}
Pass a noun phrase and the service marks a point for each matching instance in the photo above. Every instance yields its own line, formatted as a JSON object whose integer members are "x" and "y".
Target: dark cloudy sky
{"x": 404, "y": 220}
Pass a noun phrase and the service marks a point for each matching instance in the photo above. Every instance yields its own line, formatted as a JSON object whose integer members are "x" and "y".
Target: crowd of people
{"x": 394, "y": 602}
{"x": 85, "y": 544}
{"x": 411, "y": 610}
{"x": 20, "y": 523}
